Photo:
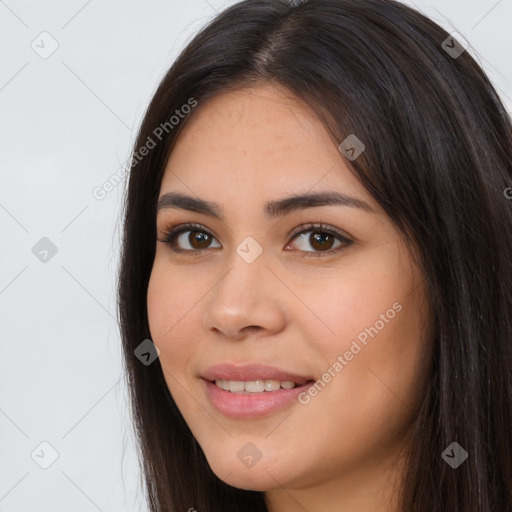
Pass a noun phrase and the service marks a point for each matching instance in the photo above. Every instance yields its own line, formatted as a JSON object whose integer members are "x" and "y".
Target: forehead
{"x": 259, "y": 143}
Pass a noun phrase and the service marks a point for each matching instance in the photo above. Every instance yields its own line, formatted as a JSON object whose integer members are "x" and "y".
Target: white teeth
{"x": 236, "y": 385}
{"x": 272, "y": 385}
{"x": 224, "y": 384}
{"x": 254, "y": 386}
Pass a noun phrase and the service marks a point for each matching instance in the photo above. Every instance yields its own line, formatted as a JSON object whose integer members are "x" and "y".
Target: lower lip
{"x": 251, "y": 405}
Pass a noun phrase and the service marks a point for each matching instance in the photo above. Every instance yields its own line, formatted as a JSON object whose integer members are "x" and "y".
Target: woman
{"x": 317, "y": 246}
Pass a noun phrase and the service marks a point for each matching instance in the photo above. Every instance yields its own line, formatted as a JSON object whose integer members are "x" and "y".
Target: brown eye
{"x": 198, "y": 239}
{"x": 320, "y": 241}
{"x": 189, "y": 238}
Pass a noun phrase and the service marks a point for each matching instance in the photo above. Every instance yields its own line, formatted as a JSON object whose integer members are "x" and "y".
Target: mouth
{"x": 256, "y": 386}
{"x": 252, "y": 391}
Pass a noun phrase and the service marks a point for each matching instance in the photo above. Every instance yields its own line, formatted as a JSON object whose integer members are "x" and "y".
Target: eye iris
{"x": 325, "y": 240}
{"x": 203, "y": 239}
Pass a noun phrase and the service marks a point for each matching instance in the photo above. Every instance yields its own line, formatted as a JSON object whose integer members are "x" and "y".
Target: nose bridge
{"x": 246, "y": 266}
{"x": 249, "y": 250}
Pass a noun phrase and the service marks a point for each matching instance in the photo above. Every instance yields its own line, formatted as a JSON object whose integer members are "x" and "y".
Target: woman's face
{"x": 338, "y": 309}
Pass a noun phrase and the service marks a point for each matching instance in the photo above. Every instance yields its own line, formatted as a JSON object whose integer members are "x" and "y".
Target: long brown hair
{"x": 438, "y": 159}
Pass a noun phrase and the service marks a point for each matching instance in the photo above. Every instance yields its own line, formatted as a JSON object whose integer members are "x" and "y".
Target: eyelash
{"x": 172, "y": 232}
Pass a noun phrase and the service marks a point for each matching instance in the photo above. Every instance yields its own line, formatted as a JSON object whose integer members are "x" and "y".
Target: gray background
{"x": 67, "y": 123}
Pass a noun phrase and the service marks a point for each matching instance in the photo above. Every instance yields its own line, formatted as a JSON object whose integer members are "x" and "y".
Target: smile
{"x": 245, "y": 404}
{"x": 254, "y": 386}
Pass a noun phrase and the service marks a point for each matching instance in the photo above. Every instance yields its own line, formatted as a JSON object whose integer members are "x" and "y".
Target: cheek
{"x": 170, "y": 316}
{"x": 169, "y": 305}
{"x": 363, "y": 407}
{"x": 158, "y": 306}
{"x": 372, "y": 320}
{"x": 349, "y": 305}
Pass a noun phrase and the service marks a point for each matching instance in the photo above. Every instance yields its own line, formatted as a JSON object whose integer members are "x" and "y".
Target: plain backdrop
{"x": 68, "y": 120}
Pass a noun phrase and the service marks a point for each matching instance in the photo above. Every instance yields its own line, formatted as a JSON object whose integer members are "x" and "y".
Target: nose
{"x": 248, "y": 300}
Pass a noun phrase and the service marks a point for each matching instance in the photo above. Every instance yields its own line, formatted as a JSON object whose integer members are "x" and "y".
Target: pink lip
{"x": 228, "y": 371}
{"x": 251, "y": 405}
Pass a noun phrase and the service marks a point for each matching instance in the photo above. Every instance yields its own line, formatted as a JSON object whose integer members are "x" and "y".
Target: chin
{"x": 260, "y": 477}
{"x": 251, "y": 480}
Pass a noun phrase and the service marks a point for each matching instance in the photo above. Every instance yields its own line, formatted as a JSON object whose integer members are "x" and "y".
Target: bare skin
{"x": 342, "y": 450}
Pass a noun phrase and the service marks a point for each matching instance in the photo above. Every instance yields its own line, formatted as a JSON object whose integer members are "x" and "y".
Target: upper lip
{"x": 247, "y": 372}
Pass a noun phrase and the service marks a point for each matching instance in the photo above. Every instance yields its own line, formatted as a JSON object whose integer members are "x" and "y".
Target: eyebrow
{"x": 277, "y": 208}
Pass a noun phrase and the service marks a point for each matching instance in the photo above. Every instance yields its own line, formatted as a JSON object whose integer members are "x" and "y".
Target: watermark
{"x": 45, "y": 45}
{"x": 343, "y": 360}
{"x": 249, "y": 249}
{"x": 454, "y": 455}
{"x": 100, "y": 192}
{"x": 351, "y": 147}
{"x": 455, "y": 45}
{"x": 508, "y": 193}
{"x": 249, "y": 455}
{"x": 44, "y": 250}
{"x": 147, "y": 352}
{"x": 44, "y": 455}
{"x": 158, "y": 134}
